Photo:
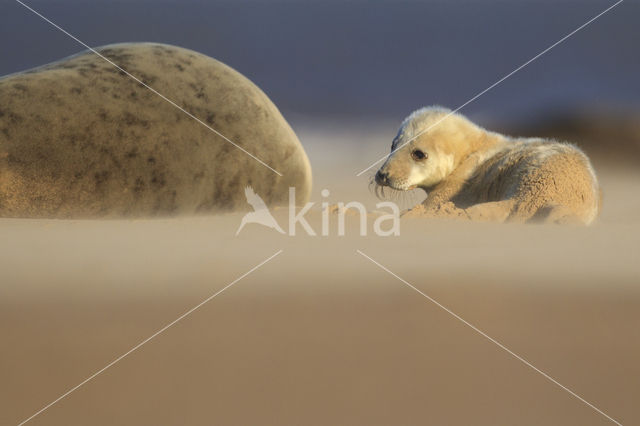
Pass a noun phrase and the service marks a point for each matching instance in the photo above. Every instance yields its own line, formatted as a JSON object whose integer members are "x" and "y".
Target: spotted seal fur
{"x": 80, "y": 138}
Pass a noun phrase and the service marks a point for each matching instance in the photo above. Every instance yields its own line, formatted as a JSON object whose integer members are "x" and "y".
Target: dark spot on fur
{"x": 101, "y": 177}
{"x": 122, "y": 72}
{"x": 139, "y": 185}
{"x": 158, "y": 180}
{"x": 113, "y": 95}
{"x": 103, "y": 115}
{"x": 198, "y": 177}
{"x": 151, "y": 160}
{"x": 119, "y": 57}
{"x": 210, "y": 117}
{"x": 20, "y": 87}
{"x": 188, "y": 108}
{"x": 132, "y": 120}
{"x": 76, "y": 90}
{"x": 132, "y": 154}
{"x": 72, "y": 139}
{"x": 129, "y": 119}
{"x": 199, "y": 90}
{"x": 179, "y": 67}
{"x": 229, "y": 118}
{"x": 147, "y": 79}
{"x": 14, "y": 118}
{"x": 41, "y": 121}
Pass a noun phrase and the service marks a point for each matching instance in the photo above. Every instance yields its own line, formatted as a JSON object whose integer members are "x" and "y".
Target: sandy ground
{"x": 320, "y": 335}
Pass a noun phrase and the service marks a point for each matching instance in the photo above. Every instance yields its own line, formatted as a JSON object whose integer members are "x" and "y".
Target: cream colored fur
{"x": 475, "y": 174}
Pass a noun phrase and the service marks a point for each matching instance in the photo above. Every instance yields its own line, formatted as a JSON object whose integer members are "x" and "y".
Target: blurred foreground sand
{"x": 320, "y": 335}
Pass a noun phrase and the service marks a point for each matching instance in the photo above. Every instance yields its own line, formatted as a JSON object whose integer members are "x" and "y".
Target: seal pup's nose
{"x": 382, "y": 178}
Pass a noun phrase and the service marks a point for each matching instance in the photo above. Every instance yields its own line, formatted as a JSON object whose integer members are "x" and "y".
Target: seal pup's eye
{"x": 418, "y": 155}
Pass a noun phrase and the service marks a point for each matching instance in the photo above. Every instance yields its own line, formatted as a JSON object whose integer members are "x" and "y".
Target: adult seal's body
{"x": 475, "y": 174}
{"x": 80, "y": 138}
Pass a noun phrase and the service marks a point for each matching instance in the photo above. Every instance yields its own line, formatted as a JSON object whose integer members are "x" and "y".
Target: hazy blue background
{"x": 359, "y": 59}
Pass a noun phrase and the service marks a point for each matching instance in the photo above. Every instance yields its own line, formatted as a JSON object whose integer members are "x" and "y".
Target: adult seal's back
{"x": 81, "y": 138}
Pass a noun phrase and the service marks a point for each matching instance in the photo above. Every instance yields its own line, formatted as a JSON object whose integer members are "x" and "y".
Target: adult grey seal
{"x": 81, "y": 138}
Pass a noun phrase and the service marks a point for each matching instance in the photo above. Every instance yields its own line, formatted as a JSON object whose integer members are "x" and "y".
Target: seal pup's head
{"x": 430, "y": 144}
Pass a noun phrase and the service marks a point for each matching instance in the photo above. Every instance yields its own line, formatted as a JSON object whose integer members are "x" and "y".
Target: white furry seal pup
{"x": 471, "y": 173}
{"x": 79, "y": 138}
